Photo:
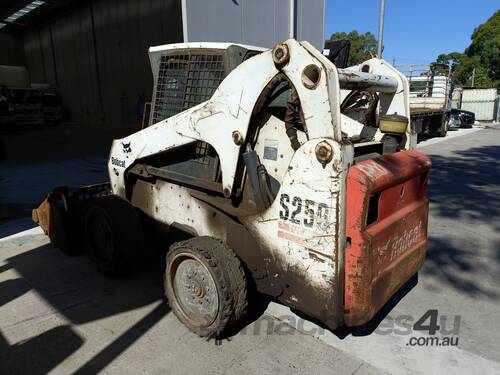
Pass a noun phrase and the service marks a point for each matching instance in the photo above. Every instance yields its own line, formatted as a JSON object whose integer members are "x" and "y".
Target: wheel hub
{"x": 196, "y": 291}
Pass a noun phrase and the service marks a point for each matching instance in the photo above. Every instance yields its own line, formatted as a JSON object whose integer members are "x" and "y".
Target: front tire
{"x": 113, "y": 234}
{"x": 205, "y": 285}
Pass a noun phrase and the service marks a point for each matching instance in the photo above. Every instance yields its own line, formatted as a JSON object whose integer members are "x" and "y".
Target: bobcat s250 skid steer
{"x": 283, "y": 171}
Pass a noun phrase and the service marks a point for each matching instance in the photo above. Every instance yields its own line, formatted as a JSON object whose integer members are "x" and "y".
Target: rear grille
{"x": 185, "y": 80}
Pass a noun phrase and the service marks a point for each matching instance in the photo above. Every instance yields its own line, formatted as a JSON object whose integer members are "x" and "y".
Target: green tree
{"x": 444, "y": 61}
{"x": 486, "y": 45}
{"x": 481, "y": 58}
{"x": 363, "y": 46}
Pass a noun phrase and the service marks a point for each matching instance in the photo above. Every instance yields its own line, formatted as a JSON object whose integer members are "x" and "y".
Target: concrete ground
{"x": 57, "y": 314}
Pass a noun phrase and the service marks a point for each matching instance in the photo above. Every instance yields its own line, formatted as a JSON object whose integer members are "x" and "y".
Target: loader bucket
{"x": 60, "y": 215}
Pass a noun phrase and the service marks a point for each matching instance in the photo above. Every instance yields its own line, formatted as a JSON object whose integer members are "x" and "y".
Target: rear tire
{"x": 205, "y": 285}
{"x": 113, "y": 234}
{"x": 443, "y": 129}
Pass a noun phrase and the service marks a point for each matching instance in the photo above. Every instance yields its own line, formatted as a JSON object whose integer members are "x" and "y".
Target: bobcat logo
{"x": 126, "y": 147}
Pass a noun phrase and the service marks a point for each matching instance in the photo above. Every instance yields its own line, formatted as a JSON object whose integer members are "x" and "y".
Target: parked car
{"x": 461, "y": 119}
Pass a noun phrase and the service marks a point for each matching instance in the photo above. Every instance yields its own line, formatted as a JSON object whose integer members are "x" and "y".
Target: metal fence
{"x": 483, "y": 102}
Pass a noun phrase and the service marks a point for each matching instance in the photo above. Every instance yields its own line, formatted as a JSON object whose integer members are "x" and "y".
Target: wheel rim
{"x": 101, "y": 237}
{"x": 195, "y": 290}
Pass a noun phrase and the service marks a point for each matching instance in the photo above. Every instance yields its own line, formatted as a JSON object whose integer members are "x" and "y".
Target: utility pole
{"x": 473, "y": 76}
{"x": 380, "y": 29}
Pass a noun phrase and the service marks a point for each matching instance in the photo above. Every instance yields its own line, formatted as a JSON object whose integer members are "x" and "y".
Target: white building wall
{"x": 255, "y": 22}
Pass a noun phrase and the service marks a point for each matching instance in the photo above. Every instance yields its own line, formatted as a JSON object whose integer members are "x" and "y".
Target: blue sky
{"x": 415, "y": 31}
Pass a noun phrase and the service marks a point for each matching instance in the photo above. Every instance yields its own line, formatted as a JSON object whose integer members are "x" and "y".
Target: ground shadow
{"x": 466, "y": 184}
{"x": 12, "y": 226}
{"x": 464, "y": 193}
{"x": 12, "y": 289}
{"x": 72, "y": 286}
{"x": 118, "y": 346}
{"x": 39, "y": 354}
{"x": 455, "y": 266}
{"x": 422, "y": 137}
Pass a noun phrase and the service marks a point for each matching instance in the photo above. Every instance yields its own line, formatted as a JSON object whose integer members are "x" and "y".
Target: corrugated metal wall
{"x": 261, "y": 23}
{"x": 310, "y": 22}
{"x": 254, "y": 22}
{"x": 483, "y": 102}
{"x": 96, "y": 55}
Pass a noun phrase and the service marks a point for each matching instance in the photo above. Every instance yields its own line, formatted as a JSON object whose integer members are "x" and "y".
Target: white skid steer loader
{"x": 282, "y": 171}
